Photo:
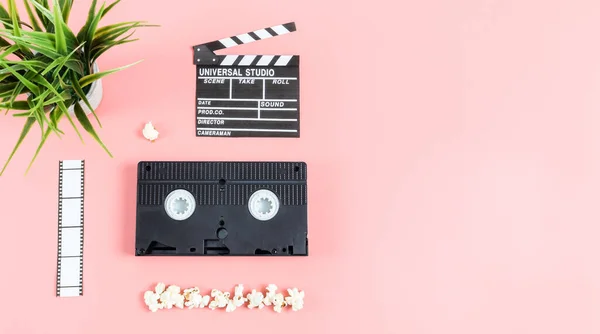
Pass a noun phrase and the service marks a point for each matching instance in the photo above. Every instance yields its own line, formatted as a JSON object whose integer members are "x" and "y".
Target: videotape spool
{"x": 180, "y": 204}
{"x": 263, "y": 205}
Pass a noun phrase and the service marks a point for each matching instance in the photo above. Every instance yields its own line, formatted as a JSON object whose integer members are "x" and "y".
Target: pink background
{"x": 454, "y": 169}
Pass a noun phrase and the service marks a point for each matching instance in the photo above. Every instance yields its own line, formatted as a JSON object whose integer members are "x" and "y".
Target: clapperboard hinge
{"x": 247, "y": 95}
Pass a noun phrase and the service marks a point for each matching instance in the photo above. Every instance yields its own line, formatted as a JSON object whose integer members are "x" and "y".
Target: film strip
{"x": 247, "y": 95}
{"x": 69, "y": 273}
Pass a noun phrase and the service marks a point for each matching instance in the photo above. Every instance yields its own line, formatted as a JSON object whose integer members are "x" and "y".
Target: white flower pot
{"x": 94, "y": 95}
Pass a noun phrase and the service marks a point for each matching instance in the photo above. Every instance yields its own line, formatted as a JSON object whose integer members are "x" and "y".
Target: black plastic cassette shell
{"x": 221, "y": 191}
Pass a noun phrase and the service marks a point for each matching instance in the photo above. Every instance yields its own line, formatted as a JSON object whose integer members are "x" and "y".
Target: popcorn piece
{"x": 272, "y": 290}
{"x": 220, "y": 299}
{"x": 255, "y": 299}
{"x": 278, "y": 303}
{"x": 194, "y": 299}
{"x": 238, "y": 298}
{"x": 172, "y": 297}
{"x": 239, "y": 290}
{"x": 295, "y": 298}
{"x": 188, "y": 293}
{"x": 230, "y": 306}
{"x": 160, "y": 288}
{"x": 151, "y": 298}
{"x": 150, "y": 132}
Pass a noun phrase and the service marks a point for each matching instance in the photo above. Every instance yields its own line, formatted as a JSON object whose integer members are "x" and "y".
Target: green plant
{"x": 46, "y": 68}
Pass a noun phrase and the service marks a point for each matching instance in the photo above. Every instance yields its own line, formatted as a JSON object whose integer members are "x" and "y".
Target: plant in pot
{"x": 48, "y": 72}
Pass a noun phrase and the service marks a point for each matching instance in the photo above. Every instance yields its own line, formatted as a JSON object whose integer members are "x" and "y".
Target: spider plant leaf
{"x": 37, "y": 151}
{"x": 32, "y": 87}
{"x": 81, "y": 94}
{"x": 43, "y": 10}
{"x": 5, "y": 17}
{"x": 31, "y": 65}
{"x": 61, "y": 29}
{"x": 36, "y": 114}
{"x": 23, "y": 114}
{"x": 34, "y": 42}
{"x": 46, "y": 38}
{"x": 7, "y": 87}
{"x": 4, "y": 77}
{"x": 14, "y": 16}
{"x": 26, "y": 127}
{"x": 91, "y": 31}
{"x": 66, "y": 6}
{"x": 88, "y": 79}
{"x": 17, "y": 105}
{"x": 54, "y": 64}
{"x": 60, "y": 62}
{"x": 40, "y": 112}
{"x": 4, "y": 43}
{"x": 8, "y": 51}
{"x": 16, "y": 92}
{"x": 5, "y": 97}
{"x": 113, "y": 31}
{"x": 85, "y": 123}
{"x": 99, "y": 52}
{"x": 110, "y": 7}
{"x": 65, "y": 112}
{"x": 18, "y": 67}
{"x": 76, "y": 66}
{"x": 112, "y": 27}
{"x": 104, "y": 46}
{"x": 32, "y": 18}
{"x": 42, "y": 81}
{"x": 109, "y": 37}
{"x": 62, "y": 97}
{"x": 55, "y": 115}
{"x": 16, "y": 25}
{"x": 83, "y": 32}
{"x": 69, "y": 36}
{"x": 42, "y": 18}
{"x": 39, "y": 47}
{"x": 61, "y": 42}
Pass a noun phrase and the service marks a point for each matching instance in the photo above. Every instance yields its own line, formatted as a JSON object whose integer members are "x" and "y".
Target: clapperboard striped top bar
{"x": 204, "y": 54}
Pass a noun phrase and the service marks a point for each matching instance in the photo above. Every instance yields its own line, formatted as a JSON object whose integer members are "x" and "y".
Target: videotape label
{"x": 247, "y": 95}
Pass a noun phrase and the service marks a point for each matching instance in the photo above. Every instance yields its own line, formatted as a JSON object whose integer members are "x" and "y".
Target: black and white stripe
{"x": 204, "y": 53}
{"x": 256, "y": 35}
{"x": 257, "y": 60}
{"x": 69, "y": 274}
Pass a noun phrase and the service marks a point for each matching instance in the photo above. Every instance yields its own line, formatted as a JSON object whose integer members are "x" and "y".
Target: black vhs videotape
{"x": 188, "y": 208}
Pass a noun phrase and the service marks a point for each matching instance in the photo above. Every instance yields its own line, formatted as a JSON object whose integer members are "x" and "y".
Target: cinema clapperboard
{"x": 247, "y": 95}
